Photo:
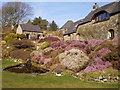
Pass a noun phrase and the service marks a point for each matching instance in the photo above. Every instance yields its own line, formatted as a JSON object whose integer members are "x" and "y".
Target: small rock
{"x": 58, "y": 74}
{"x": 96, "y": 80}
{"x": 117, "y": 78}
{"x": 105, "y": 80}
{"x": 100, "y": 77}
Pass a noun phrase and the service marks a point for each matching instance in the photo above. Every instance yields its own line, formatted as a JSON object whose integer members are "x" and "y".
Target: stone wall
{"x": 33, "y": 35}
{"x": 99, "y": 30}
{"x": 73, "y": 36}
{"x": 66, "y": 37}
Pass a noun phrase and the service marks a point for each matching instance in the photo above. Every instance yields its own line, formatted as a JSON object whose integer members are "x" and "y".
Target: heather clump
{"x": 49, "y": 39}
{"x": 97, "y": 62}
{"x": 78, "y": 44}
{"x": 96, "y": 65}
{"x": 94, "y": 42}
{"x": 58, "y": 45}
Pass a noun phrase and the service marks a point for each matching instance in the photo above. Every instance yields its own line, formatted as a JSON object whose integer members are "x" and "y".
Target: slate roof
{"x": 30, "y": 28}
{"x": 111, "y": 8}
{"x": 67, "y": 24}
{"x": 72, "y": 28}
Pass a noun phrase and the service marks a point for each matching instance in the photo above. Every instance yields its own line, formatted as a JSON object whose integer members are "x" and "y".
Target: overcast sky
{"x": 61, "y": 12}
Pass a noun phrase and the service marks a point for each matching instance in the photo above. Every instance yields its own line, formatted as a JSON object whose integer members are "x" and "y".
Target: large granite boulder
{"x": 74, "y": 59}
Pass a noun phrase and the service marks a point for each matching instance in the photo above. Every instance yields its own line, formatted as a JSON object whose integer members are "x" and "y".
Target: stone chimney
{"x": 95, "y": 6}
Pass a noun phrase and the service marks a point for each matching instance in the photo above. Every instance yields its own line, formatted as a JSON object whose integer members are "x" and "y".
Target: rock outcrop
{"x": 74, "y": 59}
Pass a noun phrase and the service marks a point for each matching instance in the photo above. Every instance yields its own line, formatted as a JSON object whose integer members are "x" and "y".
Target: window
{"x": 102, "y": 16}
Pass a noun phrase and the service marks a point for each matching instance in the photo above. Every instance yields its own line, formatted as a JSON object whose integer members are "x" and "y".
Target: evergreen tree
{"x": 53, "y": 26}
{"x": 29, "y": 22}
{"x": 43, "y": 23}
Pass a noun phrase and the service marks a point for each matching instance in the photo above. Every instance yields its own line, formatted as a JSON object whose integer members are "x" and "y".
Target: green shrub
{"x": 10, "y": 37}
{"x": 22, "y": 44}
{"x": 45, "y": 45}
{"x": 21, "y": 36}
{"x": 20, "y": 54}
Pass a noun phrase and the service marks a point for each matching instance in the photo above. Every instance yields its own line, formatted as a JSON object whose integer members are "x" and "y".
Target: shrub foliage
{"x": 22, "y": 44}
{"x": 20, "y": 54}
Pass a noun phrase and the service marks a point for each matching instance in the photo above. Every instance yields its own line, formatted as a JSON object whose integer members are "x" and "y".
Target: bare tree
{"x": 12, "y": 12}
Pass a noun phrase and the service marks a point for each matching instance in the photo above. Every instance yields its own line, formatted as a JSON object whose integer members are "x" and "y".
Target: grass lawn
{"x": 14, "y": 80}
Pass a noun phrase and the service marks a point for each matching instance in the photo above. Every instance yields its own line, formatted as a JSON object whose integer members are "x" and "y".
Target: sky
{"x": 61, "y": 12}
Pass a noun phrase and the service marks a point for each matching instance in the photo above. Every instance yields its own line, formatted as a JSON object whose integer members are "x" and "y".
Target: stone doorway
{"x": 28, "y": 36}
{"x": 111, "y": 34}
{"x": 38, "y": 36}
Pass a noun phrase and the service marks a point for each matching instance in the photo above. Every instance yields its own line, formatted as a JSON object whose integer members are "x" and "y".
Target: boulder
{"x": 74, "y": 59}
{"x": 48, "y": 51}
{"x": 37, "y": 53}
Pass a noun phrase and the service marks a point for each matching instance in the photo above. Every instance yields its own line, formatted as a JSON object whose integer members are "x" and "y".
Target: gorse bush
{"x": 22, "y": 44}
{"x": 10, "y": 37}
{"x": 45, "y": 45}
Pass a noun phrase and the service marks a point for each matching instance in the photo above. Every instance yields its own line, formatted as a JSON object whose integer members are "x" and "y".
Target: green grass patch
{"x": 21, "y": 80}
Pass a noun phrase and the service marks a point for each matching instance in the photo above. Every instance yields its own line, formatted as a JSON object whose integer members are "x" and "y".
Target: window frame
{"x": 101, "y": 16}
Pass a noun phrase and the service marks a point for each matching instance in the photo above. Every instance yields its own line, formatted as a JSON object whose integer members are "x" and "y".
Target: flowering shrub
{"x": 71, "y": 44}
{"x": 49, "y": 39}
{"x": 102, "y": 52}
{"x": 58, "y": 45}
{"x": 94, "y": 42}
{"x": 96, "y": 65}
{"x": 95, "y": 49}
{"x": 112, "y": 56}
{"x": 78, "y": 44}
{"x": 41, "y": 59}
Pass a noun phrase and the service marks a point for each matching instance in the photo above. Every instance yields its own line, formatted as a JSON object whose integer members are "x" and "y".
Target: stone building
{"x": 31, "y": 31}
{"x": 101, "y": 23}
{"x": 70, "y": 33}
